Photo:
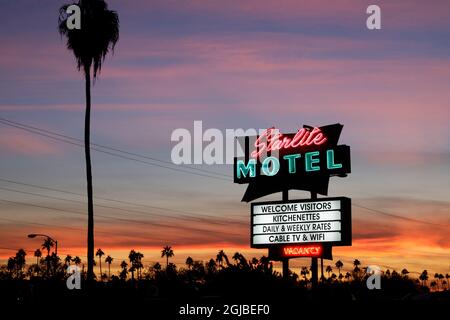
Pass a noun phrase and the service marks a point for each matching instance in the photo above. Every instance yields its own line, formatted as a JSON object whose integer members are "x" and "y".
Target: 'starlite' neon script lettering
{"x": 272, "y": 140}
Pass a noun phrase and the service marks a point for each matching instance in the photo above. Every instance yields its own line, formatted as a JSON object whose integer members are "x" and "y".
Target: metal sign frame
{"x": 346, "y": 222}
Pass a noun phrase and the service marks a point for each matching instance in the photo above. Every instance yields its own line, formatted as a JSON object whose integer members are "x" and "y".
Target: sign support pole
{"x": 285, "y": 261}
{"x": 314, "y": 261}
{"x": 321, "y": 268}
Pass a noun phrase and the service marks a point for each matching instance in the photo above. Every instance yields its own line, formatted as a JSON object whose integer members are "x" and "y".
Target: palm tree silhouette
{"x": 77, "y": 260}
{"x": 339, "y": 265}
{"x": 221, "y": 256}
{"x": 100, "y": 254}
{"x": 47, "y": 245}
{"x": 157, "y": 266}
{"x": 424, "y": 277}
{"x": 38, "y": 255}
{"x": 109, "y": 260}
{"x": 67, "y": 260}
{"x": 236, "y": 257}
{"x": 124, "y": 272}
{"x": 347, "y": 276}
{"x": 433, "y": 284}
{"x": 138, "y": 263}
{"x": 265, "y": 263}
{"x": 447, "y": 276}
{"x": 356, "y": 263}
{"x": 441, "y": 277}
{"x": 168, "y": 253}
{"x": 405, "y": 273}
{"x": 20, "y": 260}
{"x": 132, "y": 257}
{"x": 304, "y": 272}
{"x": 328, "y": 270}
{"x": 98, "y": 35}
{"x": 211, "y": 266}
{"x": 254, "y": 262}
{"x": 11, "y": 265}
{"x": 189, "y": 262}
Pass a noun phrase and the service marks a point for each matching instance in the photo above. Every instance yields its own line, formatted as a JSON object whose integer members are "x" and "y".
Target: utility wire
{"x": 115, "y": 154}
{"x": 21, "y": 222}
{"x": 46, "y": 133}
{"x": 401, "y": 217}
{"x": 189, "y": 213}
{"x": 3, "y": 120}
{"x": 141, "y": 213}
{"x": 104, "y": 199}
{"x": 140, "y": 222}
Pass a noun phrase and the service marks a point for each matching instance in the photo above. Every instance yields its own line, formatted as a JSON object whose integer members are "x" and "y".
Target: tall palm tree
{"x": 168, "y": 253}
{"x": 424, "y": 277}
{"x": 98, "y": 35}
{"x": 109, "y": 260}
{"x": 356, "y": 263}
{"x": 124, "y": 272}
{"x": 20, "y": 260}
{"x": 100, "y": 254}
{"x": 441, "y": 277}
{"x": 11, "y": 265}
{"x": 48, "y": 245}
{"x": 138, "y": 263}
{"x": 339, "y": 265}
{"x": 132, "y": 258}
{"x": 38, "y": 255}
{"x": 328, "y": 270}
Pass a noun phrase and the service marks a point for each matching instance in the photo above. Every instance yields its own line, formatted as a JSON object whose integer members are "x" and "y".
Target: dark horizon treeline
{"x": 53, "y": 267}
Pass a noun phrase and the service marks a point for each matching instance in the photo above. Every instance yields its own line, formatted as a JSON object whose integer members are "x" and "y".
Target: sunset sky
{"x": 231, "y": 64}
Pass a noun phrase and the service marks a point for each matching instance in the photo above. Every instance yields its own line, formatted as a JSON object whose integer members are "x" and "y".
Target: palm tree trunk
{"x": 87, "y": 150}
{"x": 167, "y": 262}
{"x": 109, "y": 270}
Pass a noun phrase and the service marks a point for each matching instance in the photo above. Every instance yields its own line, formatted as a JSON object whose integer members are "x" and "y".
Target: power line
{"x": 103, "y": 198}
{"x": 10, "y": 122}
{"x": 190, "y": 213}
{"x": 184, "y": 170}
{"x": 140, "y": 222}
{"x": 72, "y": 228}
{"x": 401, "y": 217}
{"x": 48, "y": 134}
{"x": 141, "y": 213}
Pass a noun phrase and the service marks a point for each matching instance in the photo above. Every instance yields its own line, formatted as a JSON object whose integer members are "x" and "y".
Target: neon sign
{"x": 304, "y": 160}
{"x": 271, "y": 140}
{"x": 302, "y": 251}
{"x": 271, "y": 165}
